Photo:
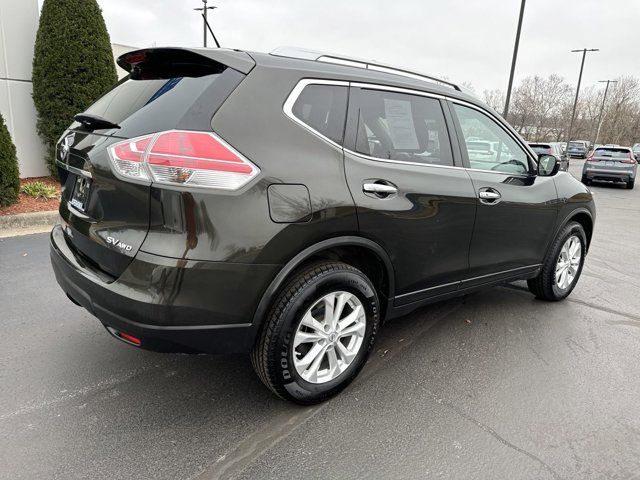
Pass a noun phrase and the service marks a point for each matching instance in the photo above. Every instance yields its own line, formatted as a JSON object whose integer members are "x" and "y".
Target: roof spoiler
{"x": 164, "y": 62}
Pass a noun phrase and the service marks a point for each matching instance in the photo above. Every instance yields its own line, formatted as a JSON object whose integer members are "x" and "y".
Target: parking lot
{"x": 492, "y": 385}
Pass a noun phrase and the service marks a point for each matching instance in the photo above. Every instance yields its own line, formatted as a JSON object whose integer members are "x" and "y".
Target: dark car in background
{"x": 611, "y": 164}
{"x": 287, "y": 204}
{"x": 552, "y": 148}
{"x": 579, "y": 148}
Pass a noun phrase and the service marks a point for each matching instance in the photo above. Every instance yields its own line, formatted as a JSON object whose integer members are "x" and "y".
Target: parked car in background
{"x": 611, "y": 164}
{"x": 551, "y": 148}
{"x": 579, "y": 148}
{"x": 287, "y": 204}
{"x": 636, "y": 150}
{"x": 481, "y": 151}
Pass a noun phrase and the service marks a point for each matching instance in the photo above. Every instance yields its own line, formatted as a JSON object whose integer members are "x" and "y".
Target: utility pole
{"x": 205, "y": 23}
{"x": 604, "y": 99}
{"x": 575, "y": 102}
{"x": 513, "y": 61}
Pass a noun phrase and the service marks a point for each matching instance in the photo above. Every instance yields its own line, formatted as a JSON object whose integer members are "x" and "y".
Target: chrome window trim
{"x": 297, "y": 90}
{"x": 408, "y": 91}
{"x": 293, "y": 97}
{"x": 401, "y": 162}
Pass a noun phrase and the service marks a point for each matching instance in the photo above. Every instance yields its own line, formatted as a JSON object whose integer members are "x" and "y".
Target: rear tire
{"x": 562, "y": 267}
{"x": 585, "y": 180}
{"x": 630, "y": 184}
{"x": 300, "y": 328}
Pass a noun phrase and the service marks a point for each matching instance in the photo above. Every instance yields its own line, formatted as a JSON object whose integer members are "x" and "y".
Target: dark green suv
{"x": 287, "y": 204}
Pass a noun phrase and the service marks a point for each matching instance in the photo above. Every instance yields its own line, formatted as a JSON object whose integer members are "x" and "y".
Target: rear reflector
{"x": 178, "y": 157}
{"x": 130, "y": 338}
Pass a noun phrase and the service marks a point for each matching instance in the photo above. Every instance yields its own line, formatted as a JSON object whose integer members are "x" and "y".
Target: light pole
{"x": 604, "y": 99}
{"x": 204, "y": 15}
{"x": 513, "y": 61}
{"x": 575, "y": 101}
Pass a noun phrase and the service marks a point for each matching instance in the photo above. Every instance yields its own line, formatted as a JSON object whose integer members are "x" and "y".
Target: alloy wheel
{"x": 568, "y": 262}
{"x": 329, "y": 337}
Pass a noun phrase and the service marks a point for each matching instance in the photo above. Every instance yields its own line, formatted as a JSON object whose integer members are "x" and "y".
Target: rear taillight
{"x": 591, "y": 158}
{"x": 178, "y": 157}
{"x": 631, "y": 159}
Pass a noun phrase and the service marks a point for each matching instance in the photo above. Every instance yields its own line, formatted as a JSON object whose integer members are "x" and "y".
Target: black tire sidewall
{"x": 286, "y": 379}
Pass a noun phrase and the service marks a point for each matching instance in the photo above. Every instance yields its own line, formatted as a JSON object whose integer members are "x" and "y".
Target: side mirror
{"x": 547, "y": 165}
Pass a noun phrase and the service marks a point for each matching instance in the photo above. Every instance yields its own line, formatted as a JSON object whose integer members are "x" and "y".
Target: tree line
{"x": 541, "y": 107}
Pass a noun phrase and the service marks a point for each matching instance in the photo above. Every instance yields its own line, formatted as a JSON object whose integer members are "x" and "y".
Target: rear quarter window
{"x": 324, "y": 109}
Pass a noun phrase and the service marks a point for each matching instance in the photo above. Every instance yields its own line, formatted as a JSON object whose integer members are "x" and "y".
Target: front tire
{"x": 318, "y": 334}
{"x": 562, "y": 267}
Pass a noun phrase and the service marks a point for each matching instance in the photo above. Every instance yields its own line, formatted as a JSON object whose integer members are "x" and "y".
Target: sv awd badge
{"x": 119, "y": 244}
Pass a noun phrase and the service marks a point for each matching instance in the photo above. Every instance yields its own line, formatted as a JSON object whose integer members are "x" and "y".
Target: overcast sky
{"x": 465, "y": 40}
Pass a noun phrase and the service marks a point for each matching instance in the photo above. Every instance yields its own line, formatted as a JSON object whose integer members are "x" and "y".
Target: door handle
{"x": 381, "y": 190}
{"x": 489, "y": 196}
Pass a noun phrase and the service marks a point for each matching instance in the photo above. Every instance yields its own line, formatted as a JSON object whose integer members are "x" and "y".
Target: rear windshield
{"x": 146, "y": 96}
{"x": 612, "y": 152}
{"x": 539, "y": 148}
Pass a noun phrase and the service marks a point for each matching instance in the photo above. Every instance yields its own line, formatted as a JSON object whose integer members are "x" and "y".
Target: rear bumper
{"x": 610, "y": 175}
{"x": 169, "y": 304}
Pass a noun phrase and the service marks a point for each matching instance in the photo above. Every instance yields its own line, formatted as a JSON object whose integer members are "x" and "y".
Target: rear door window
{"x": 404, "y": 127}
{"x": 324, "y": 109}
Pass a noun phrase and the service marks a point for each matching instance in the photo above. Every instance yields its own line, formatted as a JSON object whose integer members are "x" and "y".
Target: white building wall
{"x": 119, "y": 49}
{"x": 18, "y": 27}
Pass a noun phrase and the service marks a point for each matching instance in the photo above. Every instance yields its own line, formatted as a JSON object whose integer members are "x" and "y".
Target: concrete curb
{"x": 25, "y": 223}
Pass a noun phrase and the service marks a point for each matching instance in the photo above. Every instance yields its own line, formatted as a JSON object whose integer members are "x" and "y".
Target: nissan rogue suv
{"x": 286, "y": 205}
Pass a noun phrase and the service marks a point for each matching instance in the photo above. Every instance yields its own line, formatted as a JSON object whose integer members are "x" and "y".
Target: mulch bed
{"x": 27, "y": 204}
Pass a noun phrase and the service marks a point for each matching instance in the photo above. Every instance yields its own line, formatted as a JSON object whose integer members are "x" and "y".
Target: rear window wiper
{"x": 94, "y": 122}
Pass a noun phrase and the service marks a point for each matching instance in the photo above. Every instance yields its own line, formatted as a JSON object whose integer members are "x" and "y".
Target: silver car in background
{"x": 636, "y": 150}
{"x": 611, "y": 164}
{"x": 551, "y": 148}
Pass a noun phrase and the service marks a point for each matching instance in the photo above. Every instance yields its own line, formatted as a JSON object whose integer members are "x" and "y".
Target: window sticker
{"x": 400, "y": 123}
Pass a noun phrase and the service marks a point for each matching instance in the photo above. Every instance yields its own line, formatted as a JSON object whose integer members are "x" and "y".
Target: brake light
{"x": 179, "y": 157}
{"x": 631, "y": 159}
{"x": 591, "y": 158}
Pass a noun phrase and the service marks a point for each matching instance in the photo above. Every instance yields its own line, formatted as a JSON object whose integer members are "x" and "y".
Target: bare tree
{"x": 495, "y": 99}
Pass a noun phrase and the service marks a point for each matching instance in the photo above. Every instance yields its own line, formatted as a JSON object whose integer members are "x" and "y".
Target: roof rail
{"x": 304, "y": 54}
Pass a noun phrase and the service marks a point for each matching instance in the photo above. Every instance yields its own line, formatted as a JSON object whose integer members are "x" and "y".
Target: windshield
{"x": 576, "y": 144}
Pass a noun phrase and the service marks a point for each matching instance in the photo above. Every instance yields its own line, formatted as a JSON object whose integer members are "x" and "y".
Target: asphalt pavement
{"x": 494, "y": 385}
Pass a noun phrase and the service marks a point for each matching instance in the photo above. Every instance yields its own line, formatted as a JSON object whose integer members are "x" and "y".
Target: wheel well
{"x": 587, "y": 223}
{"x": 365, "y": 260}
